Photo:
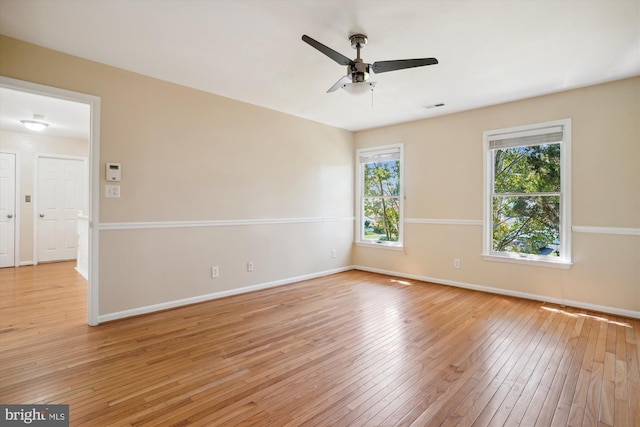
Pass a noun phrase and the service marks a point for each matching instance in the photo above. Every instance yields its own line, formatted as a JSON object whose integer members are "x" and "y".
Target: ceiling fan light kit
{"x": 358, "y": 71}
{"x": 360, "y": 88}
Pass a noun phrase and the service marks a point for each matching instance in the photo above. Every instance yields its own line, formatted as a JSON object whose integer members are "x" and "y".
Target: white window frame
{"x": 359, "y": 231}
{"x": 564, "y": 260}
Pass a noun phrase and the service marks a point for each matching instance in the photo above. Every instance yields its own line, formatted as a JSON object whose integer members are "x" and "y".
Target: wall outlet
{"x": 215, "y": 272}
{"x": 250, "y": 266}
{"x": 333, "y": 253}
{"x": 456, "y": 263}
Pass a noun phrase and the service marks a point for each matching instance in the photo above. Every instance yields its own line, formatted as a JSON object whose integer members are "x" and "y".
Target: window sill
{"x": 389, "y": 246}
{"x": 516, "y": 259}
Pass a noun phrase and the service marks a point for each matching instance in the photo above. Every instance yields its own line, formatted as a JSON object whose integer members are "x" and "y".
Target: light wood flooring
{"x": 350, "y": 349}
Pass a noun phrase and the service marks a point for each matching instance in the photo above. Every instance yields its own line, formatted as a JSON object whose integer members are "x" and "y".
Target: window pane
{"x": 382, "y": 178}
{"x": 381, "y": 219}
{"x": 530, "y": 169}
{"x": 529, "y": 225}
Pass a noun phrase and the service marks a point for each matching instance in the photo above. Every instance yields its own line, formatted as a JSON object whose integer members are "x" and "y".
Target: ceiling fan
{"x": 357, "y": 70}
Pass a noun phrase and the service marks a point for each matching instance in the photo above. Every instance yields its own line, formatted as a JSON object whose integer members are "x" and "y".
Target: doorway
{"x": 93, "y": 166}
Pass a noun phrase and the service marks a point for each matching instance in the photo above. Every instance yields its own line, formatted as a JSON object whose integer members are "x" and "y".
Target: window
{"x": 527, "y": 200}
{"x": 379, "y": 193}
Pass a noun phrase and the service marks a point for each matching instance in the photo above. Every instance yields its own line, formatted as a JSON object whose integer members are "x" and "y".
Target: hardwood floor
{"x": 350, "y": 349}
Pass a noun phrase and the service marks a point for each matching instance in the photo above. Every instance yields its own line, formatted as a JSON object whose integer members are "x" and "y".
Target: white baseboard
{"x": 25, "y": 263}
{"x": 84, "y": 273}
{"x": 525, "y": 295}
{"x": 207, "y": 297}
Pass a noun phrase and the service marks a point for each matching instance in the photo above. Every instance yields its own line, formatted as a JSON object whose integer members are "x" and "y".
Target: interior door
{"x": 61, "y": 197}
{"x": 7, "y": 209}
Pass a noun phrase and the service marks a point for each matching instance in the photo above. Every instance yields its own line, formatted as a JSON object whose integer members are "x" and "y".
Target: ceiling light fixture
{"x": 359, "y": 88}
{"x": 36, "y": 124}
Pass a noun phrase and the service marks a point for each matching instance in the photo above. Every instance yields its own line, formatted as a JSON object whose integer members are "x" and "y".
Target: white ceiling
{"x": 66, "y": 119}
{"x": 490, "y": 52}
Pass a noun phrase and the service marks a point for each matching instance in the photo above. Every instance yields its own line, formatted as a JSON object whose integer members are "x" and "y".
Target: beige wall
{"x": 443, "y": 180}
{"x": 191, "y": 156}
{"x": 27, "y": 146}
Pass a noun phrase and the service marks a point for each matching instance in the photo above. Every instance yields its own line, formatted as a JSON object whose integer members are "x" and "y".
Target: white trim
{"x": 25, "y": 263}
{"x": 606, "y": 230}
{"x": 241, "y": 222}
{"x": 566, "y": 203}
{"x": 537, "y": 261}
{"x": 18, "y": 210}
{"x": 108, "y": 226}
{"x": 624, "y": 231}
{"x": 380, "y": 245}
{"x": 500, "y": 291}
{"x": 443, "y": 221}
{"x": 60, "y": 156}
{"x": 94, "y": 176}
{"x": 208, "y": 297}
{"x": 94, "y": 213}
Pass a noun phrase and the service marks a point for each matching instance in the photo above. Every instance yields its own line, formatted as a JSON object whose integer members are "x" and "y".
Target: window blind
{"x": 385, "y": 155}
{"x": 549, "y": 135}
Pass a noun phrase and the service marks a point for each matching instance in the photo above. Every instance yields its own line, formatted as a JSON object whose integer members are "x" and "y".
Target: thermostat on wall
{"x": 113, "y": 171}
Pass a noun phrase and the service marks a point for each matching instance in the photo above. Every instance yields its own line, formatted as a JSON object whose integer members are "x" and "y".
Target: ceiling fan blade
{"x": 336, "y": 56}
{"x": 400, "y": 64}
{"x": 343, "y": 81}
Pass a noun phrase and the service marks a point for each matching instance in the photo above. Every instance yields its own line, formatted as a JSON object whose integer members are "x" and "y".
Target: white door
{"x": 61, "y": 197}
{"x": 7, "y": 209}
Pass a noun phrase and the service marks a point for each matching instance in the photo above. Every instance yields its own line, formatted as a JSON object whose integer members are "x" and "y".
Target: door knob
{"x": 10, "y": 216}
{"x": 41, "y": 215}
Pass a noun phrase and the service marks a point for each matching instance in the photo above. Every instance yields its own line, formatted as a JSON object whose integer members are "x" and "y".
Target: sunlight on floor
{"x": 402, "y": 282}
{"x": 601, "y": 319}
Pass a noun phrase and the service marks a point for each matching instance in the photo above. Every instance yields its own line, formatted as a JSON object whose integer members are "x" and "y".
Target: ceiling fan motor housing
{"x": 359, "y": 71}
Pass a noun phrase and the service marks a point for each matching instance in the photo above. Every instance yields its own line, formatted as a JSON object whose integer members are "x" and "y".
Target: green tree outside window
{"x": 381, "y": 201}
{"x": 526, "y": 200}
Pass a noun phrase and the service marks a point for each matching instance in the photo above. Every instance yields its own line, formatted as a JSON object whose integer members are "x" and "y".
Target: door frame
{"x": 17, "y": 212}
{"x": 36, "y": 194}
{"x": 94, "y": 178}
